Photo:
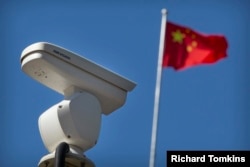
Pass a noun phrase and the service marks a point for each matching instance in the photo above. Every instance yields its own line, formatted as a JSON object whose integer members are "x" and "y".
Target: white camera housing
{"x": 75, "y": 120}
{"x": 60, "y": 69}
{"x": 89, "y": 90}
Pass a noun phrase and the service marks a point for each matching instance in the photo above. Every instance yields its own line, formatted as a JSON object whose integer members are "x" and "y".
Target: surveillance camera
{"x": 89, "y": 90}
{"x": 60, "y": 69}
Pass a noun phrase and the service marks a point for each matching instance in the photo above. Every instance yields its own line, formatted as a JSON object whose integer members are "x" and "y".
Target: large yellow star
{"x": 178, "y": 36}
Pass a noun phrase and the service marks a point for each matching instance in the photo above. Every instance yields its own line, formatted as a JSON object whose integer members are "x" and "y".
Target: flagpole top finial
{"x": 164, "y": 11}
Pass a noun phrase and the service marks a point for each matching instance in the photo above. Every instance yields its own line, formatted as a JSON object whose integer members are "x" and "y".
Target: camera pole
{"x": 60, "y": 154}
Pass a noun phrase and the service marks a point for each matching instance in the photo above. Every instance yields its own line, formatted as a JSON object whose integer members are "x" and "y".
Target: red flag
{"x": 185, "y": 48}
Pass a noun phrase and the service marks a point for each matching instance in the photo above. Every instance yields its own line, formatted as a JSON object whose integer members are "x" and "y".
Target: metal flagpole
{"x": 157, "y": 89}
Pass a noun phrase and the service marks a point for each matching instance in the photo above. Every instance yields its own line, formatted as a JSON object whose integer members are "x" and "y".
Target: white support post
{"x": 157, "y": 89}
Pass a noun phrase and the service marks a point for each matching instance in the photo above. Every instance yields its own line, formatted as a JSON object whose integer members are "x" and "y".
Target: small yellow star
{"x": 194, "y": 43}
{"x": 189, "y": 48}
{"x": 192, "y": 46}
{"x": 187, "y": 30}
{"x": 178, "y": 36}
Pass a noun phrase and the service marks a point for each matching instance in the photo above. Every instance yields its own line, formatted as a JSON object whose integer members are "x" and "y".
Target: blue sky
{"x": 201, "y": 108}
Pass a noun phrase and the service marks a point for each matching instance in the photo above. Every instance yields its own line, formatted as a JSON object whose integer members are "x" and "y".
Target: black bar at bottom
{"x": 208, "y": 159}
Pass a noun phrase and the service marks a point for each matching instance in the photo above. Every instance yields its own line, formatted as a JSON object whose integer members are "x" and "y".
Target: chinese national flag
{"x": 185, "y": 47}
